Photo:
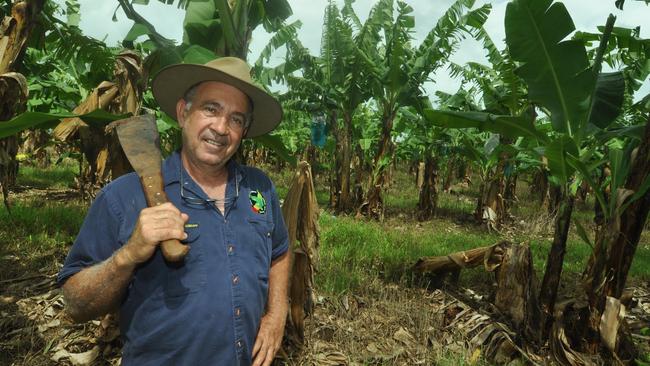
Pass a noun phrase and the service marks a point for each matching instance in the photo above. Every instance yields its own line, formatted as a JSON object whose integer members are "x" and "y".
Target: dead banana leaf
{"x": 99, "y": 98}
{"x": 77, "y": 359}
{"x": 331, "y": 359}
{"x": 101, "y": 148}
{"x": 459, "y": 260}
{"x": 494, "y": 339}
{"x": 610, "y": 322}
{"x": 15, "y": 30}
{"x": 561, "y": 349}
{"x": 300, "y": 211}
{"x": 13, "y": 98}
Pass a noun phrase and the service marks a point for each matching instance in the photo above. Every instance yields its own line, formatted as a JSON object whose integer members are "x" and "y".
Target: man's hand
{"x": 269, "y": 339}
{"x": 154, "y": 225}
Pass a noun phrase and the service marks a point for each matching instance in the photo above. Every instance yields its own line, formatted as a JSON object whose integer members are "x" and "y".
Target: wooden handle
{"x": 173, "y": 250}
{"x": 154, "y": 192}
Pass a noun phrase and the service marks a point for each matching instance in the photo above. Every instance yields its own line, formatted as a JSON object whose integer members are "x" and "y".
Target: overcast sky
{"x": 168, "y": 20}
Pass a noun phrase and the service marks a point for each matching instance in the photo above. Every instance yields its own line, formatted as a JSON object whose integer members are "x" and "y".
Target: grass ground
{"x": 46, "y": 216}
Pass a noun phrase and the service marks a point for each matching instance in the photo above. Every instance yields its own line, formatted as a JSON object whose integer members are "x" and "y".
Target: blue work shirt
{"x": 208, "y": 310}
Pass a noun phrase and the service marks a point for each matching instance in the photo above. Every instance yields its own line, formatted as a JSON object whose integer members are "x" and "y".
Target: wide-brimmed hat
{"x": 172, "y": 82}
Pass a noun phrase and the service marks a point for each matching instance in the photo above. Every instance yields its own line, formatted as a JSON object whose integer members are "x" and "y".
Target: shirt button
{"x": 239, "y": 344}
{"x": 231, "y": 248}
{"x": 235, "y": 279}
{"x": 268, "y": 235}
{"x": 237, "y": 312}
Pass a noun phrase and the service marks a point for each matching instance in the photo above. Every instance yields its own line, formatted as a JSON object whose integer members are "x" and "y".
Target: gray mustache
{"x": 214, "y": 135}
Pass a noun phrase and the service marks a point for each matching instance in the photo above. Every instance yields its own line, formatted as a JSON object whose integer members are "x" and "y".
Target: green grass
{"x": 37, "y": 233}
{"x": 55, "y": 176}
{"x": 353, "y": 250}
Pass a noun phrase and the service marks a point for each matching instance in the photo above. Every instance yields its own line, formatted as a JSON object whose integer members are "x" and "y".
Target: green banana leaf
{"x": 508, "y": 126}
{"x": 557, "y": 152}
{"x": 274, "y": 143}
{"x": 608, "y": 99}
{"x": 633, "y": 132}
{"x": 43, "y": 120}
{"x": 555, "y": 68}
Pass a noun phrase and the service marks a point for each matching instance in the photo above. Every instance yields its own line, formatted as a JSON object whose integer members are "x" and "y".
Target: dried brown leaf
{"x": 610, "y": 322}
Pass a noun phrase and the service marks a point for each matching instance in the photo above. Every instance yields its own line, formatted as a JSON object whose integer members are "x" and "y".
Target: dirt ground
{"x": 385, "y": 325}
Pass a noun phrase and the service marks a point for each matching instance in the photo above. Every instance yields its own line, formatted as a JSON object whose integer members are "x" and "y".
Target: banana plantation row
{"x": 542, "y": 108}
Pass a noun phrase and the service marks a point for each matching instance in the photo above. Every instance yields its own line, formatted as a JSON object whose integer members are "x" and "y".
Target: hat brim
{"x": 172, "y": 82}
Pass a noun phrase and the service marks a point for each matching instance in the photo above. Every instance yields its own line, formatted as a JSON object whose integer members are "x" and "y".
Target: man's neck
{"x": 206, "y": 176}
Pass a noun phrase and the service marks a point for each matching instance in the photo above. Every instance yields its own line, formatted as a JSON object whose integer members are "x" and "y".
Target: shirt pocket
{"x": 261, "y": 231}
{"x": 157, "y": 278}
{"x": 260, "y": 243}
{"x": 189, "y": 275}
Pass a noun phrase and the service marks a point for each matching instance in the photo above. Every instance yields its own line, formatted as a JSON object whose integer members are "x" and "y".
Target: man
{"x": 226, "y": 304}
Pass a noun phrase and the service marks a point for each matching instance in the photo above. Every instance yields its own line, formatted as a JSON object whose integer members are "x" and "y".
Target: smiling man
{"x": 226, "y": 304}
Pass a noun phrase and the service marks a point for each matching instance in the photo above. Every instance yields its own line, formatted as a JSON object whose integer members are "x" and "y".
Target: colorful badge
{"x": 258, "y": 203}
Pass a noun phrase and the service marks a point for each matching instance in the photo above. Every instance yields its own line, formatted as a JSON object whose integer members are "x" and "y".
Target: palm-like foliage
{"x": 580, "y": 101}
{"x": 396, "y": 71}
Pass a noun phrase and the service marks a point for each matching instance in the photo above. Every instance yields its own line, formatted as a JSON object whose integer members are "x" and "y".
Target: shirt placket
{"x": 235, "y": 270}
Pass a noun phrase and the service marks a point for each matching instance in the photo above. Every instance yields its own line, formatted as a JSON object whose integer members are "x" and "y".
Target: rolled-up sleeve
{"x": 280, "y": 235}
{"x": 97, "y": 239}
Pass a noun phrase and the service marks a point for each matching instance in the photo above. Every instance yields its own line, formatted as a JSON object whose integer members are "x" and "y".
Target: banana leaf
{"x": 43, "y": 120}
{"x": 274, "y": 143}
{"x": 508, "y": 126}
{"x": 555, "y": 68}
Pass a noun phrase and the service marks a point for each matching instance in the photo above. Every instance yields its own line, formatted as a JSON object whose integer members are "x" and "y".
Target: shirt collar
{"x": 171, "y": 170}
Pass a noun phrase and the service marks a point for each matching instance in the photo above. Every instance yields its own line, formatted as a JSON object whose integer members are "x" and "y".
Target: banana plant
{"x": 578, "y": 99}
{"x": 16, "y": 29}
{"x": 396, "y": 71}
{"x": 501, "y": 92}
{"x": 332, "y": 85}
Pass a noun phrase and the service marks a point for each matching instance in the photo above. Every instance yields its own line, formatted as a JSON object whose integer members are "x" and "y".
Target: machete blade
{"x": 141, "y": 143}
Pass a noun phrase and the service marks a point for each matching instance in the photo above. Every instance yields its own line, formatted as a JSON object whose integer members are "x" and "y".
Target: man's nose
{"x": 220, "y": 125}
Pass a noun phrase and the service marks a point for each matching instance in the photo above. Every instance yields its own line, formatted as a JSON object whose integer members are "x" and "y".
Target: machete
{"x": 141, "y": 143}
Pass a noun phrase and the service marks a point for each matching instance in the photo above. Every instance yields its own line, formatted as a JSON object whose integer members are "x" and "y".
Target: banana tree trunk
{"x": 345, "y": 145}
{"x": 490, "y": 207}
{"x": 373, "y": 205}
{"x": 15, "y": 29}
{"x": 361, "y": 173}
{"x": 515, "y": 294}
{"x": 510, "y": 194}
{"x": 614, "y": 251}
{"x": 428, "y": 201}
{"x": 539, "y": 187}
{"x": 335, "y": 182}
{"x": 554, "y": 262}
{"x": 419, "y": 174}
{"x": 34, "y": 145}
{"x": 449, "y": 174}
{"x": 465, "y": 172}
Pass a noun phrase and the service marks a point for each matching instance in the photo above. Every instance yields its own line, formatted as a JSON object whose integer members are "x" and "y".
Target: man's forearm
{"x": 97, "y": 290}
{"x": 278, "y": 302}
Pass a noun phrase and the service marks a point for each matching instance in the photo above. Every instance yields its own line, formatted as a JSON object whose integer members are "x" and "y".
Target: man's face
{"x": 214, "y": 124}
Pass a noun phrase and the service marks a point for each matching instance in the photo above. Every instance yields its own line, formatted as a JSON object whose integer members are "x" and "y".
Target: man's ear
{"x": 180, "y": 112}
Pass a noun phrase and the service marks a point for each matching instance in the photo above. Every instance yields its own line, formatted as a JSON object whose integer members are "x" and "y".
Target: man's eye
{"x": 211, "y": 109}
{"x": 238, "y": 120}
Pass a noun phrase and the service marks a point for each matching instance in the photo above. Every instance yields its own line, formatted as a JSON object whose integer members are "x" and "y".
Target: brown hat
{"x": 172, "y": 82}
